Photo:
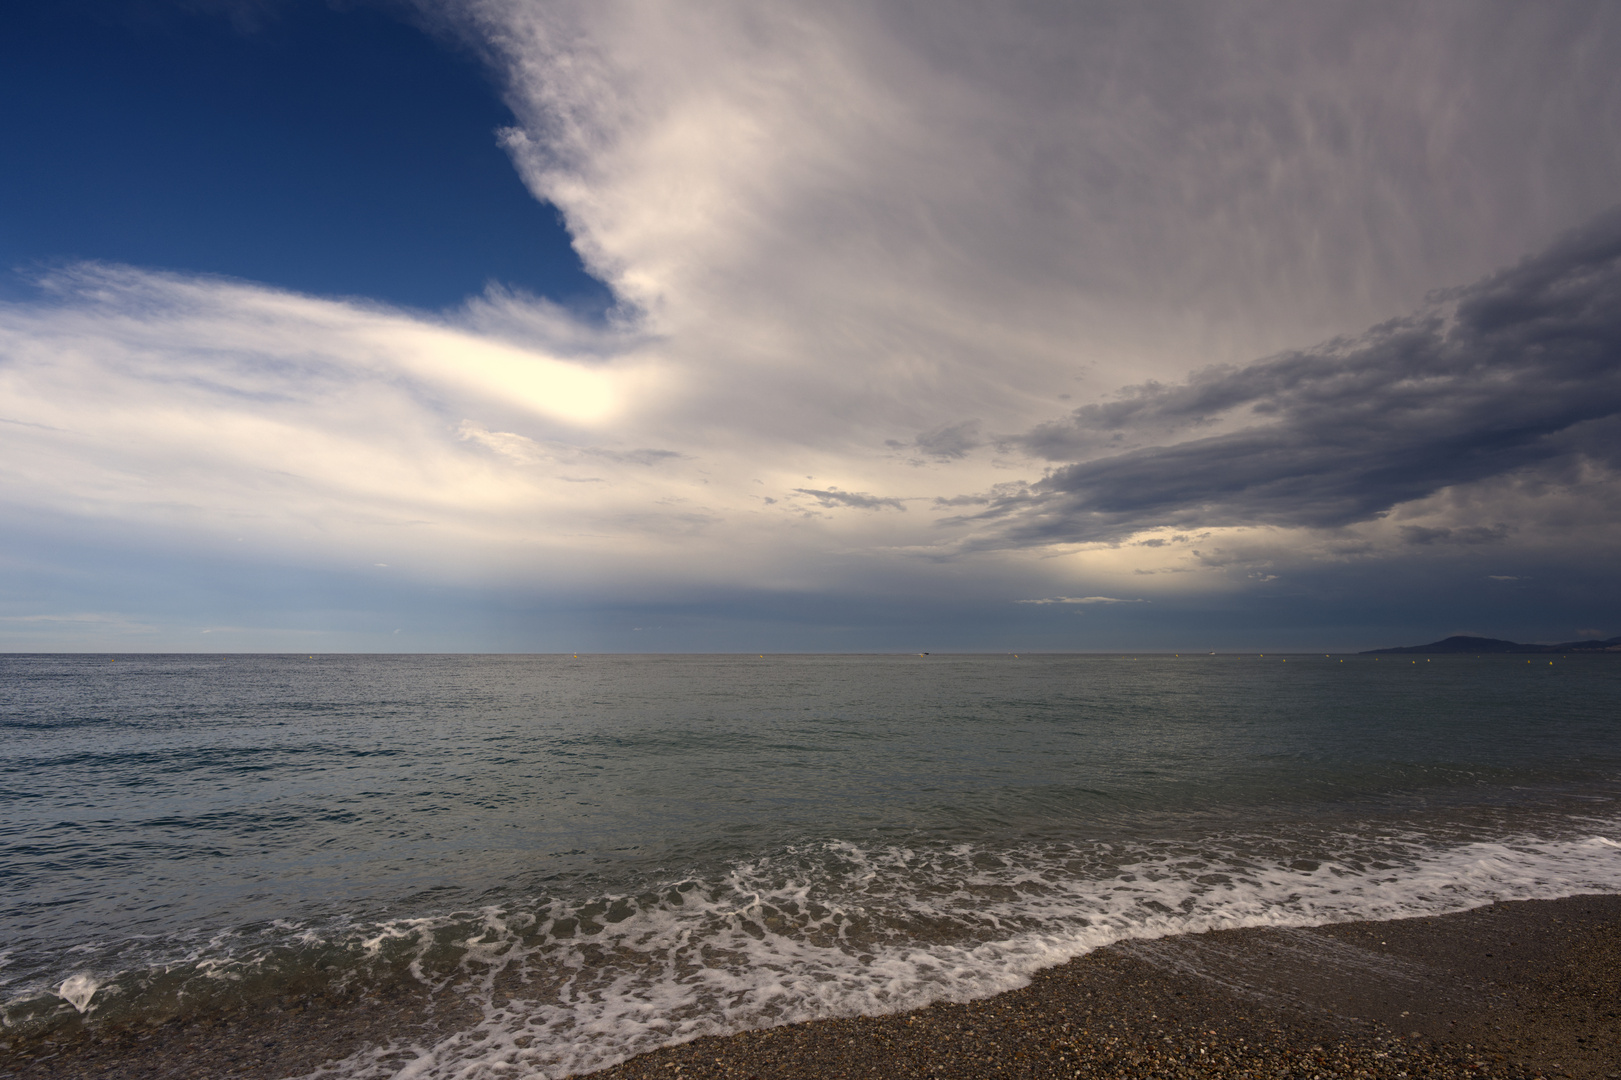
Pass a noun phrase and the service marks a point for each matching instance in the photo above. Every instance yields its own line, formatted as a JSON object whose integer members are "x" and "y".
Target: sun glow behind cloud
{"x": 161, "y": 398}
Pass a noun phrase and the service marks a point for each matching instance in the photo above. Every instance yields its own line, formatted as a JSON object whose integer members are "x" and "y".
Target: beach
{"x": 1516, "y": 989}
{"x": 473, "y": 868}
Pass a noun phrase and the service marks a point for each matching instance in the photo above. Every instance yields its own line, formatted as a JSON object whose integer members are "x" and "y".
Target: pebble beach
{"x": 1517, "y": 989}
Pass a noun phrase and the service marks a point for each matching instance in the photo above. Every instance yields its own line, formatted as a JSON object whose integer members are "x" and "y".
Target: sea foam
{"x": 838, "y": 929}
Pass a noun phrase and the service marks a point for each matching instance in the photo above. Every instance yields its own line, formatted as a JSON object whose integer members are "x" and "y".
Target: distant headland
{"x": 1463, "y": 643}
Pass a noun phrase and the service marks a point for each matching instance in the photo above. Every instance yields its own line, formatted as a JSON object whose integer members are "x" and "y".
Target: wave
{"x": 568, "y": 985}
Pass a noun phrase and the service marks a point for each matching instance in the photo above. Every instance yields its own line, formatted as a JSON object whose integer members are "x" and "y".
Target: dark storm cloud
{"x": 1521, "y": 369}
{"x": 1474, "y": 534}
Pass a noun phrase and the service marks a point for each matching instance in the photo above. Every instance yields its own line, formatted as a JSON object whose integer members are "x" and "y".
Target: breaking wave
{"x": 567, "y": 985}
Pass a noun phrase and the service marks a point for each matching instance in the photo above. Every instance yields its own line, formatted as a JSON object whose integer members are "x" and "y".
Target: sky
{"x": 622, "y": 326}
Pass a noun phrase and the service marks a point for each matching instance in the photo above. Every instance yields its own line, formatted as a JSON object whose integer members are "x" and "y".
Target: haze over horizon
{"x": 612, "y": 326}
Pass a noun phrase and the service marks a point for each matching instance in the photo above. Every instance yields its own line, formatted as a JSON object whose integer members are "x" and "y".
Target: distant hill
{"x": 1462, "y": 643}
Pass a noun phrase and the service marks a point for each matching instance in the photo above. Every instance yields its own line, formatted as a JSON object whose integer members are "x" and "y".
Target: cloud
{"x": 834, "y": 233}
{"x": 858, "y": 499}
{"x": 944, "y": 209}
{"x": 1082, "y": 600}
{"x": 1478, "y": 534}
{"x": 188, "y": 405}
{"x": 527, "y": 451}
{"x": 950, "y": 442}
{"x": 1517, "y": 372}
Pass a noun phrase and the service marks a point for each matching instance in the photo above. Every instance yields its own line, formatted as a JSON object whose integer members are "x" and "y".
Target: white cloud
{"x": 982, "y": 201}
{"x": 858, "y": 247}
{"x": 195, "y": 403}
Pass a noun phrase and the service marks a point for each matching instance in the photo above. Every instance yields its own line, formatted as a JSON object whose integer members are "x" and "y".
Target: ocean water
{"x": 606, "y": 854}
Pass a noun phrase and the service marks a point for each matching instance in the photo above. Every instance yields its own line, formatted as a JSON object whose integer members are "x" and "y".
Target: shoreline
{"x": 1516, "y": 989}
{"x": 1528, "y": 988}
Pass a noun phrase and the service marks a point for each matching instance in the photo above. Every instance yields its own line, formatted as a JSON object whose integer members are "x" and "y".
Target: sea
{"x": 594, "y": 856}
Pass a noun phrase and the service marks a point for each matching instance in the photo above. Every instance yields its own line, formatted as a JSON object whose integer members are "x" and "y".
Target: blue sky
{"x": 337, "y": 152}
{"x": 501, "y": 325}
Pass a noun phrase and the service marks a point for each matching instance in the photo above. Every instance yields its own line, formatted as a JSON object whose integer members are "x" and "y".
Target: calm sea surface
{"x": 610, "y": 853}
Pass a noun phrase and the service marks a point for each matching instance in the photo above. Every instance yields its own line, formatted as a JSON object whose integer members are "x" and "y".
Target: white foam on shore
{"x": 837, "y": 929}
{"x": 77, "y": 990}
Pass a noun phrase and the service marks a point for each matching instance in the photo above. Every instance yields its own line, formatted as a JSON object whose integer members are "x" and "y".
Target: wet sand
{"x": 1523, "y": 989}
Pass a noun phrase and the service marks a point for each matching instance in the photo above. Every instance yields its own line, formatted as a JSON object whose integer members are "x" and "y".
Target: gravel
{"x": 1515, "y": 990}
